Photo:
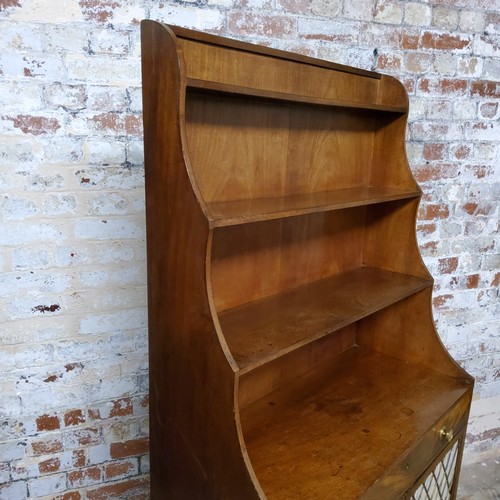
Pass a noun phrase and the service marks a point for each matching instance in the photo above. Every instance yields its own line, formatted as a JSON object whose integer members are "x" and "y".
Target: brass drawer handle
{"x": 446, "y": 434}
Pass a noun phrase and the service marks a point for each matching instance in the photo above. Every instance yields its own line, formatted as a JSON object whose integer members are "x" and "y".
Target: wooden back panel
{"x": 247, "y": 148}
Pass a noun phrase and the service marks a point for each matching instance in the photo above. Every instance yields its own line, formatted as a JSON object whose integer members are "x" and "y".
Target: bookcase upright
{"x": 293, "y": 353}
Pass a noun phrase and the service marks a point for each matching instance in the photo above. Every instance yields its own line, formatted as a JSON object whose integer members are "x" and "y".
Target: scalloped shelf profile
{"x": 293, "y": 353}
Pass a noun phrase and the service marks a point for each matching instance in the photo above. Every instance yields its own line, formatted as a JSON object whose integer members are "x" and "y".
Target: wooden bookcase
{"x": 293, "y": 353}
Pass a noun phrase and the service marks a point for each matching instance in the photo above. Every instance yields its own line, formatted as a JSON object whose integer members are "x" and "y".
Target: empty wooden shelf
{"x": 293, "y": 353}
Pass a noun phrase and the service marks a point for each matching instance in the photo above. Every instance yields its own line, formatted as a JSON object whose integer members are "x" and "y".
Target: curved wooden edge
{"x": 190, "y": 376}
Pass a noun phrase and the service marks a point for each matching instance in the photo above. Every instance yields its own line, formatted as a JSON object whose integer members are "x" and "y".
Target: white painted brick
{"x": 359, "y": 9}
{"x": 45, "y": 485}
{"x": 65, "y": 37}
{"x": 472, "y": 21}
{"x": 14, "y": 490}
{"x": 32, "y": 258}
{"x": 129, "y": 319}
{"x": 417, "y": 14}
{"x": 21, "y": 234}
{"x": 59, "y": 205}
{"x": 190, "y": 17}
{"x": 108, "y": 228}
{"x": 445, "y": 18}
{"x": 109, "y": 41}
{"x": 21, "y": 37}
{"x": 105, "y": 70}
{"x": 47, "y": 67}
{"x": 98, "y": 454}
{"x": 104, "y": 152}
{"x": 15, "y": 208}
{"x": 68, "y": 97}
{"x": 20, "y": 97}
{"x": 390, "y": 12}
{"x": 12, "y": 450}
{"x": 43, "y": 11}
{"x": 135, "y": 153}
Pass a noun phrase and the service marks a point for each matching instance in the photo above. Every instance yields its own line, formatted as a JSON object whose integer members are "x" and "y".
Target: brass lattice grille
{"x": 439, "y": 483}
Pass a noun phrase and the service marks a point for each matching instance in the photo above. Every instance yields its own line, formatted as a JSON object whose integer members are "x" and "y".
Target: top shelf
{"x": 229, "y": 213}
{"x": 205, "y": 86}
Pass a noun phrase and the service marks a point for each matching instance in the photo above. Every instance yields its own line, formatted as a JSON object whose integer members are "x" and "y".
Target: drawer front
{"x": 405, "y": 474}
{"x": 440, "y": 481}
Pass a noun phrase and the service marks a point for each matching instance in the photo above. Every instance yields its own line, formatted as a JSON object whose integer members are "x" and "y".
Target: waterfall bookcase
{"x": 293, "y": 353}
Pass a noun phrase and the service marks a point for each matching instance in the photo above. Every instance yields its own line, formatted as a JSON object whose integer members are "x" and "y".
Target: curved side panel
{"x": 191, "y": 380}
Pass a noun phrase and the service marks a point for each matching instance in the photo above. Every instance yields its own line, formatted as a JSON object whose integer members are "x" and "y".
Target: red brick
{"x": 485, "y": 88}
{"x": 408, "y": 42}
{"x": 78, "y": 458}
{"x": 35, "y": 125}
{"x": 107, "y": 122}
{"x": 74, "y": 417}
{"x": 448, "y": 265}
{"x": 47, "y": 423}
{"x": 496, "y": 280}
{"x": 433, "y": 172}
{"x": 461, "y": 152}
{"x": 443, "y": 41}
{"x": 114, "y": 470}
{"x": 130, "y": 448}
{"x": 434, "y": 151}
{"x": 430, "y": 212}
{"x": 133, "y": 125}
{"x": 426, "y": 229}
{"x": 443, "y": 86}
{"x": 123, "y": 489}
{"x": 47, "y": 447}
{"x": 84, "y": 477}
{"x": 441, "y": 300}
{"x": 121, "y": 408}
{"x": 98, "y": 10}
{"x": 472, "y": 281}
{"x": 5, "y": 4}
{"x": 50, "y": 465}
{"x": 386, "y": 61}
{"x": 70, "y": 495}
{"x": 145, "y": 401}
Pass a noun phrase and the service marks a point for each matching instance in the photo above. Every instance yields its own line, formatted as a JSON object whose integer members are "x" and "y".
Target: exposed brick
{"x": 49, "y": 466}
{"x": 120, "y": 469}
{"x": 441, "y": 301}
{"x": 133, "y": 488}
{"x": 496, "y": 280}
{"x": 74, "y": 417}
{"x": 434, "y": 151}
{"x": 47, "y": 423}
{"x": 47, "y": 447}
{"x": 78, "y": 458}
{"x": 430, "y": 212}
{"x": 443, "y": 86}
{"x": 129, "y": 448}
{"x": 426, "y": 229}
{"x": 6, "y": 4}
{"x": 448, "y": 265}
{"x": 246, "y": 23}
{"x": 444, "y": 41}
{"x": 121, "y": 408}
{"x": 485, "y": 88}
{"x": 98, "y": 10}
{"x": 388, "y": 62}
{"x": 472, "y": 281}
{"x": 84, "y": 477}
{"x": 36, "y": 125}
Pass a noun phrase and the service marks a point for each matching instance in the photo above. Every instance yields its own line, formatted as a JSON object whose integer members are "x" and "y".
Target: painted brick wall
{"x": 73, "y": 331}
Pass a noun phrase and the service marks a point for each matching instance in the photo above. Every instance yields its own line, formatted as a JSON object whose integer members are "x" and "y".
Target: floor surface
{"x": 480, "y": 481}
